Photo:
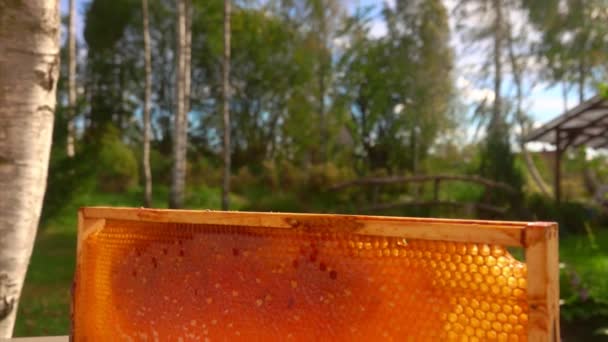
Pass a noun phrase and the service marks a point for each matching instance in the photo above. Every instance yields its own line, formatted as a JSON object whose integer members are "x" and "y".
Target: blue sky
{"x": 544, "y": 102}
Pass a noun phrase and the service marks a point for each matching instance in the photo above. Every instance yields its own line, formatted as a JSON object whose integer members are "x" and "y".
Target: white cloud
{"x": 390, "y": 3}
{"x": 341, "y": 42}
{"x": 377, "y": 28}
{"x": 471, "y": 93}
{"x": 546, "y": 106}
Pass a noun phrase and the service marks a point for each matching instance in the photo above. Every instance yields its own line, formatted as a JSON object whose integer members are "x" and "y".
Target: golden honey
{"x": 176, "y": 282}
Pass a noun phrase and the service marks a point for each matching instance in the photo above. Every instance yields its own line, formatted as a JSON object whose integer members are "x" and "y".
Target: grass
{"x": 44, "y": 307}
{"x": 585, "y": 273}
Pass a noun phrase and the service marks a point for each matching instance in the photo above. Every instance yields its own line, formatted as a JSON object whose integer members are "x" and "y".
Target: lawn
{"x": 44, "y": 308}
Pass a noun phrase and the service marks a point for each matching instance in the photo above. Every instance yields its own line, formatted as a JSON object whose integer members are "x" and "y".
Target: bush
{"x": 282, "y": 175}
{"x": 243, "y": 180}
{"x": 116, "y": 163}
{"x": 200, "y": 172}
{"x": 322, "y": 176}
{"x": 160, "y": 167}
{"x": 571, "y": 216}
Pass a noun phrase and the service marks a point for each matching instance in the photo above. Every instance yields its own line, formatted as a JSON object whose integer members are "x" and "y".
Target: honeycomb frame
{"x": 538, "y": 239}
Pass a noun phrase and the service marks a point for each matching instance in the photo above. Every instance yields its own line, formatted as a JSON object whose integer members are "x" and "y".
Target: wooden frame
{"x": 539, "y": 239}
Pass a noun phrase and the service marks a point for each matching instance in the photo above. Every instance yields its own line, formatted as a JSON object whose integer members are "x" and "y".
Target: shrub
{"x": 116, "y": 163}
{"x": 160, "y": 167}
{"x": 322, "y": 176}
{"x": 200, "y": 172}
{"x": 243, "y": 180}
{"x": 571, "y": 216}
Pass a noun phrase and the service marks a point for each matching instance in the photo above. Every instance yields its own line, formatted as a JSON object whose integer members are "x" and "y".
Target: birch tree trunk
{"x": 498, "y": 27}
{"x": 226, "y": 106}
{"x": 180, "y": 129}
{"x": 71, "y": 79}
{"x": 518, "y": 74}
{"x": 29, "y": 65}
{"x": 187, "y": 58}
{"x": 147, "y": 96}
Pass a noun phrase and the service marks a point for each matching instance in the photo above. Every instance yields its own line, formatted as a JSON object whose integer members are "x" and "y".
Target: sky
{"x": 545, "y": 102}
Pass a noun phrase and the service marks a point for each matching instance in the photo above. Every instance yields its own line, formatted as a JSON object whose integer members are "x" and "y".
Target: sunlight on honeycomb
{"x": 169, "y": 282}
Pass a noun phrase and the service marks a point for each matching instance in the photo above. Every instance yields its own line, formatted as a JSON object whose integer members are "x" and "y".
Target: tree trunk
{"x": 71, "y": 79}
{"x": 581, "y": 80}
{"x": 29, "y": 65}
{"x": 519, "y": 96}
{"x": 188, "y": 57}
{"x": 180, "y": 129}
{"x": 565, "y": 95}
{"x": 322, "y": 80}
{"x": 147, "y": 96}
{"x": 226, "y": 106}
{"x": 496, "y": 112}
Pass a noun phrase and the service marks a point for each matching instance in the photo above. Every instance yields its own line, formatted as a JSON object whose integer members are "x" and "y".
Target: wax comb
{"x": 171, "y": 275}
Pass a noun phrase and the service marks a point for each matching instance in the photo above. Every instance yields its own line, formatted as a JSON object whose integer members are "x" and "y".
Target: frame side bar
{"x": 542, "y": 259}
{"x": 490, "y": 232}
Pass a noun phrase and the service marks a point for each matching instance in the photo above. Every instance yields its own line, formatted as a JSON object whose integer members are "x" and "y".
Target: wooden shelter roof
{"x": 583, "y": 125}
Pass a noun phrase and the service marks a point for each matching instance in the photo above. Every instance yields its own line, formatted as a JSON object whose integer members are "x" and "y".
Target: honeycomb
{"x": 176, "y": 282}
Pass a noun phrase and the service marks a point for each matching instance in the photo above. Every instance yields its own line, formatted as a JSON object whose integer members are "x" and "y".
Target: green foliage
{"x": 397, "y": 89}
{"x": 118, "y": 168}
{"x": 160, "y": 167}
{"x": 584, "y": 276}
{"x": 573, "y": 42}
{"x": 572, "y": 217}
{"x": 603, "y": 90}
{"x": 498, "y": 164}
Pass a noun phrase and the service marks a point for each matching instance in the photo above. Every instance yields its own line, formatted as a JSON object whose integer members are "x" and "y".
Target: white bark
{"x": 148, "y": 94}
{"x": 226, "y": 106}
{"x": 187, "y": 56}
{"x": 180, "y": 123}
{"x": 29, "y": 63}
{"x": 71, "y": 79}
{"x": 518, "y": 74}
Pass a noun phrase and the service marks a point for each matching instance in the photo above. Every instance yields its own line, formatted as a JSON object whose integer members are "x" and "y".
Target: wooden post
{"x": 558, "y": 161}
{"x": 542, "y": 259}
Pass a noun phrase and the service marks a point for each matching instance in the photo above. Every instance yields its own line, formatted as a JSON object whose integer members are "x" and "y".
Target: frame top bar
{"x": 508, "y": 233}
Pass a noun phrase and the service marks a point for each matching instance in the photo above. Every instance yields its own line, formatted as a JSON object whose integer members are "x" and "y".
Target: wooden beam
{"x": 589, "y": 137}
{"x": 86, "y": 226}
{"x": 506, "y": 233}
{"x": 542, "y": 260}
{"x": 570, "y": 114}
{"x": 574, "y": 132}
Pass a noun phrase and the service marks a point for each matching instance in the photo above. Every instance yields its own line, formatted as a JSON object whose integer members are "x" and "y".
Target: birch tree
{"x": 29, "y": 65}
{"x": 147, "y": 95}
{"x": 226, "y": 105}
{"x": 180, "y": 123}
{"x": 71, "y": 79}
